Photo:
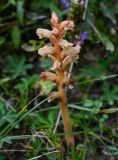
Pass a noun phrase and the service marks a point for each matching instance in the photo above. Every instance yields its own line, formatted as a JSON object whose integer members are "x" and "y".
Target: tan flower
{"x": 64, "y": 43}
{"x": 49, "y": 76}
{"x": 67, "y": 25}
{"x": 71, "y": 55}
{"x": 45, "y": 51}
{"x": 43, "y": 33}
{"x": 70, "y": 51}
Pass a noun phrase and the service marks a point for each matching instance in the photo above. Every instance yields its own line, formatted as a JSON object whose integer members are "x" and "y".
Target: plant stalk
{"x": 65, "y": 115}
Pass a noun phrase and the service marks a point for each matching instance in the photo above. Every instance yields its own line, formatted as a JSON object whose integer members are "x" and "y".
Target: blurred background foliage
{"x": 94, "y": 99}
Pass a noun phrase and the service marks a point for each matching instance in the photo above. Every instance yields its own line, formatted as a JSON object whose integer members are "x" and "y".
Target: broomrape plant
{"x": 62, "y": 53}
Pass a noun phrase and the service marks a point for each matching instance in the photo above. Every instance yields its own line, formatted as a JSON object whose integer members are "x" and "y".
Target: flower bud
{"x": 54, "y": 19}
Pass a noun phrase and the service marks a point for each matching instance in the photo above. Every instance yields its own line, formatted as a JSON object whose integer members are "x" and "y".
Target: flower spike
{"x": 62, "y": 54}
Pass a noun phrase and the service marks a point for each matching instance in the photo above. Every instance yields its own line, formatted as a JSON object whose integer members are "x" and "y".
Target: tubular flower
{"x": 45, "y": 51}
{"x": 67, "y": 25}
{"x": 72, "y": 52}
{"x": 43, "y": 33}
{"x": 49, "y": 76}
{"x": 64, "y": 43}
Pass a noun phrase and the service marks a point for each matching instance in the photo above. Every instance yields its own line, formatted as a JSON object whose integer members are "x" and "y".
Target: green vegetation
{"x": 30, "y": 127}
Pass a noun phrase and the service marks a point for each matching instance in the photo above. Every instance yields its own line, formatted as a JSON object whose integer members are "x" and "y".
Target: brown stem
{"x": 63, "y": 97}
{"x": 65, "y": 115}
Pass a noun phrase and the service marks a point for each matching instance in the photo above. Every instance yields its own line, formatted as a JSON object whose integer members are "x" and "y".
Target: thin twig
{"x": 85, "y": 11}
{"x": 15, "y": 150}
{"x": 57, "y": 122}
{"x": 43, "y": 155}
{"x": 95, "y": 30}
{"x": 70, "y": 70}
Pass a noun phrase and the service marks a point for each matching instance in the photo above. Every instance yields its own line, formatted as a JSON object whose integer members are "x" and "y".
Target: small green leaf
{"x": 51, "y": 117}
{"x": 97, "y": 105}
{"x": 113, "y": 150}
{"x": 16, "y": 36}
{"x": 108, "y": 44}
{"x": 20, "y": 11}
{"x": 43, "y": 120}
{"x": 88, "y": 103}
{"x": 2, "y": 40}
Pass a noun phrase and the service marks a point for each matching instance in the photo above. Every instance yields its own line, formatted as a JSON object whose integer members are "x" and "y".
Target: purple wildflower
{"x": 66, "y": 3}
{"x": 84, "y": 36}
